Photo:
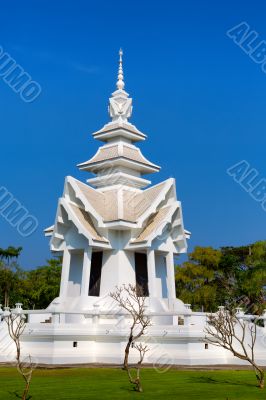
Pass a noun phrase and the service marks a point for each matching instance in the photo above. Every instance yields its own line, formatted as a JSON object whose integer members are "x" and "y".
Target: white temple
{"x": 113, "y": 231}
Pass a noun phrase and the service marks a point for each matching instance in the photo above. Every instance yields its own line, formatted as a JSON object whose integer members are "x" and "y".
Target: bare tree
{"x": 131, "y": 299}
{"x": 229, "y": 330}
{"x": 16, "y": 323}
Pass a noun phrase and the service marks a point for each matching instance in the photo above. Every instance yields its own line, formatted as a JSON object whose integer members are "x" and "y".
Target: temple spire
{"x": 120, "y": 84}
{"x": 120, "y": 105}
{"x": 119, "y": 161}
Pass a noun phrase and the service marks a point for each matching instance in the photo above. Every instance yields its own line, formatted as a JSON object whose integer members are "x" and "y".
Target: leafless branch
{"x": 16, "y": 324}
{"x": 228, "y": 330}
{"x": 132, "y": 300}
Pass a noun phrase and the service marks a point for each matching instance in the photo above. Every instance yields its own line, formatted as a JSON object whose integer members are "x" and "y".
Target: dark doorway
{"x": 141, "y": 274}
{"x": 96, "y": 271}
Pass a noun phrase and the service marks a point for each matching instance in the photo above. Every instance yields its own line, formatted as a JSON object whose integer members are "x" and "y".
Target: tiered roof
{"x": 146, "y": 213}
{"x": 121, "y": 154}
{"x": 119, "y": 201}
{"x": 119, "y": 161}
{"x": 122, "y": 128}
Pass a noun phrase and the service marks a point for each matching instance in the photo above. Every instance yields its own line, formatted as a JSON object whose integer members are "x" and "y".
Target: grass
{"x": 107, "y": 383}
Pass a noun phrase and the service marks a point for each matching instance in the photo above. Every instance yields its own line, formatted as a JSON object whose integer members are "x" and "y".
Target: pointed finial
{"x": 120, "y": 84}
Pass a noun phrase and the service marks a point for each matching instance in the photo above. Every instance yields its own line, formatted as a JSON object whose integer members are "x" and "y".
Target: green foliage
{"x": 40, "y": 286}
{"x": 35, "y": 289}
{"x": 7, "y": 266}
{"x": 230, "y": 275}
{"x": 195, "y": 280}
{"x": 206, "y": 256}
{"x": 10, "y": 253}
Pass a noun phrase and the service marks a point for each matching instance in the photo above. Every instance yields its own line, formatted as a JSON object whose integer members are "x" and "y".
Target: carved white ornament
{"x": 120, "y": 107}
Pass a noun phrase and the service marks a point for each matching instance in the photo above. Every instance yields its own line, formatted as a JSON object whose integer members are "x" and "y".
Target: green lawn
{"x": 107, "y": 383}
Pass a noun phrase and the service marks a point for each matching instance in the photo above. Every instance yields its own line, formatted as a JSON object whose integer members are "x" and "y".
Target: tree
{"x": 16, "y": 323}
{"x": 252, "y": 282}
{"x": 232, "y": 332}
{"x": 37, "y": 288}
{"x": 10, "y": 253}
{"x": 213, "y": 277}
{"x": 196, "y": 278}
{"x": 132, "y": 300}
{"x": 34, "y": 288}
{"x": 10, "y": 280}
{"x": 6, "y": 257}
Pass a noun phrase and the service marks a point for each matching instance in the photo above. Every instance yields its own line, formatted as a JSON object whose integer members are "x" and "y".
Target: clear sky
{"x": 197, "y": 95}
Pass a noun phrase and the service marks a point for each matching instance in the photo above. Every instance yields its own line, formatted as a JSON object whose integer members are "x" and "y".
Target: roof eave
{"x": 141, "y": 167}
{"x": 120, "y": 223}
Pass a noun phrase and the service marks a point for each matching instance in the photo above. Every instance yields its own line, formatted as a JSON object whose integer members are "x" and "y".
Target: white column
{"x": 170, "y": 270}
{"x": 86, "y": 272}
{"x": 65, "y": 273}
{"x": 151, "y": 273}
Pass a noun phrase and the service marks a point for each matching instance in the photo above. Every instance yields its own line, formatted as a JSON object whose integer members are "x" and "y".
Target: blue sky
{"x": 197, "y": 95}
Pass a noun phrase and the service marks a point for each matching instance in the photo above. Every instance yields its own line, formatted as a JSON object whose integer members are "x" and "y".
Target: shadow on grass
{"x": 128, "y": 389}
{"x": 18, "y": 396}
{"x": 209, "y": 380}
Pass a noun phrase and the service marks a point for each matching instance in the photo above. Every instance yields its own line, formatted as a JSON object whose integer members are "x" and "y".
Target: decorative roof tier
{"x": 119, "y": 161}
{"x": 148, "y": 214}
{"x": 122, "y": 129}
{"x": 120, "y": 154}
{"x": 154, "y": 222}
{"x": 87, "y": 223}
{"x": 120, "y": 203}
